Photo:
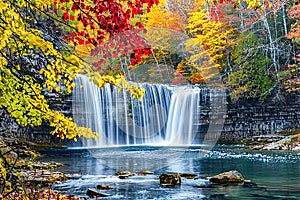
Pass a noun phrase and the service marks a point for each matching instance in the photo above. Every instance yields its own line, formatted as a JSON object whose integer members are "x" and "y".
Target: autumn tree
{"x": 112, "y": 28}
{"x": 294, "y": 13}
{"x": 292, "y": 83}
{"x": 211, "y": 37}
{"x": 39, "y": 54}
{"x": 164, "y": 30}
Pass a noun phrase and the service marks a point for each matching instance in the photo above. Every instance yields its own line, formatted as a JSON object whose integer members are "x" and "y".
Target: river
{"x": 276, "y": 174}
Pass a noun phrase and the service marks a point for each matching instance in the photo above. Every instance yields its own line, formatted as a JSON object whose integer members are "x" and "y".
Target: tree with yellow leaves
{"x": 33, "y": 64}
{"x": 162, "y": 26}
{"x": 36, "y": 61}
{"x": 210, "y": 39}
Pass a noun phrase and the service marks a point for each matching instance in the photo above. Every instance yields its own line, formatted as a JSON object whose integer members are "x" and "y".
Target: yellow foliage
{"x": 21, "y": 95}
{"x": 162, "y": 27}
{"x": 2, "y": 170}
{"x": 208, "y": 44}
{"x": 84, "y": 51}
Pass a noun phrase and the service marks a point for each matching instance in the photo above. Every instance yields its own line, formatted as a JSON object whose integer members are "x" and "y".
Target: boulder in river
{"x": 169, "y": 180}
{"x": 124, "y": 174}
{"x": 95, "y": 194}
{"x": 230, "y": 177}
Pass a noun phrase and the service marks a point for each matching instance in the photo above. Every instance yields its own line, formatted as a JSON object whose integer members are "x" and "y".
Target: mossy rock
{"x": 230, "y": 177}
{"x": 124, "y": 174}
{"x": 169, "y": 180}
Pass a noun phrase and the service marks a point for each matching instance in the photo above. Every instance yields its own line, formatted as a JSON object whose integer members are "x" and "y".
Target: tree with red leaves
{"x": 111, "y": 26}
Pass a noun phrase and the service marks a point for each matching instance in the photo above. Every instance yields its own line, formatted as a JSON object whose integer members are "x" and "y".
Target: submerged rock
{"x": 230, "y": 177}
{"x": 123, "y": 176}
{"x": 95, "y": 194}
{"x": 169, "y": 180}
{"x": 188, "y": 175}
{"x": 145, "y": 172}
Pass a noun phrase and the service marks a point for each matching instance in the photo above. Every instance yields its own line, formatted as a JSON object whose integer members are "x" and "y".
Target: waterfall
{"x": 166, "y": 115}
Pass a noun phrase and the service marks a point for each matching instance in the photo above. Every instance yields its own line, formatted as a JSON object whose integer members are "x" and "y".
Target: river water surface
{"x": 276, "y": 174}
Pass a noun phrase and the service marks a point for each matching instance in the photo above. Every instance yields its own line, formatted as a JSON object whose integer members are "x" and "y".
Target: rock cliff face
{"x": 243, "y": 120}
{"x": 248, "y": 120}
{"x": 9, "y": 129}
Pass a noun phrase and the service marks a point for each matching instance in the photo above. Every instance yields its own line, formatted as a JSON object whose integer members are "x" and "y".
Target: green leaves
{"x": 248, "y": 77}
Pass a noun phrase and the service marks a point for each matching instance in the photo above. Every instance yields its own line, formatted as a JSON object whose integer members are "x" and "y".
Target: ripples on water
{"x": 277, "y": 174}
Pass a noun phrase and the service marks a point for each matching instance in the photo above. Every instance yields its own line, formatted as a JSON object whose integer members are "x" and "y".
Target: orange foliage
{"x": 196, "y": 78}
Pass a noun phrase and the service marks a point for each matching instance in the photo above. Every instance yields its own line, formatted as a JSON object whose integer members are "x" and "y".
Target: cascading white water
{"x": 165, "y": 116}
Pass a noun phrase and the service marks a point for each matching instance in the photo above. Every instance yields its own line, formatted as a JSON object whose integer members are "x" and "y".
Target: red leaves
{"x": 115, "y": 54}
{"x": 139, "y": 24}
{"x": 65, "y": 16}
{"x": 59, "y": 133}
{"x": 72, "y": 18}
{"x": 80, "y": 41}
{"x": 217, "y": 12}
{"x": 108, "y": 18}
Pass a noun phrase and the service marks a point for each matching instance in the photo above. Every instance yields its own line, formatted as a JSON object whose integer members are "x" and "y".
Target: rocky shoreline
{"x": 276, "y": 142}
{"x": 22, "y": 175}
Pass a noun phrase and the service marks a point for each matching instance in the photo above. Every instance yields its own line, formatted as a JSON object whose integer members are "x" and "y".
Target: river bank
{"x": 284, "y": 141}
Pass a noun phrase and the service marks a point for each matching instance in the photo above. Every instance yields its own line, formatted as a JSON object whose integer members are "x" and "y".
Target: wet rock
{"x": 104, "y": 187}
{"x": 145, "y": 172}
{"x": 169, "y": 180}
{"x": 257, "y": 147}
{"x": 279, "y": 145}
{"x": 124, "y": 174}
{"x": 128, "y": 173}
{"x": 188, "y": 175}
{"x": 230, "y": 177}
{"x": 95, "y": 194}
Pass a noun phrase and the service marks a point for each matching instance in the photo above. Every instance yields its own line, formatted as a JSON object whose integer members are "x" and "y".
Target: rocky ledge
{"x": 290, "y": 143}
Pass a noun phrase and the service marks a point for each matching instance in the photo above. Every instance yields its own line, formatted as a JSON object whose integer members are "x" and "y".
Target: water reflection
{"x": 276, "y": 174}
